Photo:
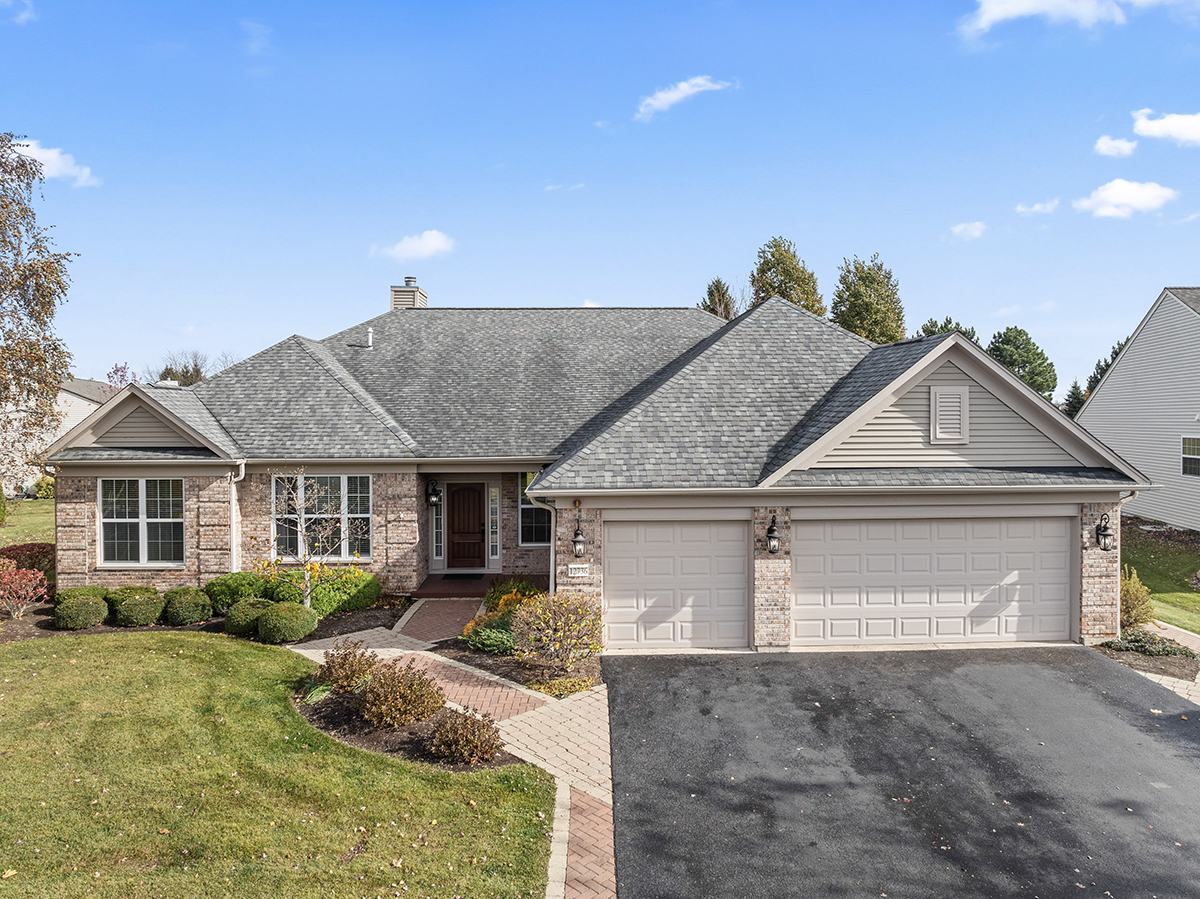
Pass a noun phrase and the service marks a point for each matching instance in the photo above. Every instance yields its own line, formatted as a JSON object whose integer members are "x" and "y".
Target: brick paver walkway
{"x": 1185, "y": 688}
{"x": 439, "y": 619}
{"x": 568, "y": 738}
{"x": 470, "y": 690}
{"x": 590, "y": 870}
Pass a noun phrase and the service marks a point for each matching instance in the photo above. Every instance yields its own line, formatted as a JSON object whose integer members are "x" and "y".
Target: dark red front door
{"x": 464, "y": 522}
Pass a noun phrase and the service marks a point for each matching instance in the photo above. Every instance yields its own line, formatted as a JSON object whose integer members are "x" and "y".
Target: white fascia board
{"x": 760, "y": 496}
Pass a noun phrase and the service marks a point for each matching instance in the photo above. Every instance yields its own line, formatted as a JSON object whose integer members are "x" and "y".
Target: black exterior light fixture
{"x": 433, "y": 493}
{"x": 579, "y": 542}
{"x": 1106, "y": 538}
{"x": 773, "y": 542}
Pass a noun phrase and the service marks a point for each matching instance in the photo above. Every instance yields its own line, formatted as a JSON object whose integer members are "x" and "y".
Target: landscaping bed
{"x": 512, "y": 668}
{"x": 1166, "y": 559}
{"x": 1171, "y": 666}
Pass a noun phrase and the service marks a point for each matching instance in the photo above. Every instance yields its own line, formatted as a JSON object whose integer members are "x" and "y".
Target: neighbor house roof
{"x": 92, "y": 391}
{"x": 1189, "y": 296}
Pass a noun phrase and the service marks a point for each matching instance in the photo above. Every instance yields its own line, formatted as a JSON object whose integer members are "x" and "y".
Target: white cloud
{"x": 24, "y": 11}
{"x": 1007, "y": 310}
{"x": 1114, "y": 146}
{"x": 57, "y": 164}
{"x": 968, "y": 230}
{"x": 1038, "y": 208}
{"x": 550, "y": 187}
{"x": 590, "y": 304}
{"x": 664, "y": 99}
{"x": 257, "y": 37}
{"x": 1184, "y": 129}
{"x": 1120, "y": 198}
{"x": 1190, "y": 218}
{"x": 1085, "y": 13}
{"x": 417, "y": 246}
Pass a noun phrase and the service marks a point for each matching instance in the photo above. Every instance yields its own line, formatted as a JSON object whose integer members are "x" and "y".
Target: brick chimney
{"x": 409, "y": 296}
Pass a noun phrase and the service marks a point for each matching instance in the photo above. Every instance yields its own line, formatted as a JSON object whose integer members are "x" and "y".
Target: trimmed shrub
{"x": 350, "y": 592}
{"x": 348, "y": 666}
{"x": 226, "y": 589}
{"x": 44, "y": 487}
{"x": 1137, "y": 639}
{"x": 117, "y": 598}
{"x": 187, "y": 605}
{"x": 396, "y": 696}
{"x": 283, "y": 590}
{"x": 516, "y": 590}
{"x": 93, "y": 591}
{"x": 140, "y": 611}
{"x": 1136, "y": 608}
{"x": 495, "y": 640}
{"x": 33, "y": 556}
{"x": 562, "y": 687}
{"x": 559, "y": 629}
{"x": 242, "y": 616}
{"x": 286, "y": 622}
{"x": 465, "y": 738}
{"x": 80, "y": 612}
{"x": 20, "y": 589}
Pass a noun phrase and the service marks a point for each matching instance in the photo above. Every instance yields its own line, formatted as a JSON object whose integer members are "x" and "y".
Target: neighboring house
{"x": 919, "y": 492}
{"x": 1147, "y": 407}
{"x": 77, "y": 399}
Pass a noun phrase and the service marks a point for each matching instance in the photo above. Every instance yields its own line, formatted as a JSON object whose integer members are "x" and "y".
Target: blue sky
{"x": 239, "y": 172}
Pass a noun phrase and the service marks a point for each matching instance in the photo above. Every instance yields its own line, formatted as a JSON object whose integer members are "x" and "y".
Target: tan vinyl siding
{"x": 141, "y": 428}
{"x": 1148, "y": 403}
{"x": 898, "y": 437}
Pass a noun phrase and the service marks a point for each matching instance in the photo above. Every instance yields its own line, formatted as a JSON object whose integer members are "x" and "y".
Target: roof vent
{"x": 166, "y": 383}
{"x": 409, "y": 296}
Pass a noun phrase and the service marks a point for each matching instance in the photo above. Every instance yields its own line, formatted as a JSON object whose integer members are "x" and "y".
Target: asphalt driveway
{"x": 1032, "y": 772}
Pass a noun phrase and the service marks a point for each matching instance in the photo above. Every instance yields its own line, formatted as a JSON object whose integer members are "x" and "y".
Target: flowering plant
{"x": 20, "y": 589}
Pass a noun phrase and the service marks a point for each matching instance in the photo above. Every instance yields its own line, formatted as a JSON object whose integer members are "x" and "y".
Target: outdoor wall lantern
{"x": 773, "y": 542}
{"x": 579, "y": 542}
{"x": 433, "y": 493}
{"x": 1106, "y": 539}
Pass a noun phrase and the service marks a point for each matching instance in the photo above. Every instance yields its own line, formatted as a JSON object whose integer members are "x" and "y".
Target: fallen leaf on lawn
{"x": 7, "y": 874}
{"x": 163, "y": 830}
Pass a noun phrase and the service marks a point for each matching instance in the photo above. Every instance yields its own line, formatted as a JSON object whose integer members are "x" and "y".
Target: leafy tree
{"x": 33, "y": 282}
{"x": 1103, "y": 365}
{"x": 945, "y": 326}
{"x": 1075, "y": 399}
{"x": 719, "y": 300}
{"x": 119, "y": 377}
{"x": 1015, "y": 350}
{"x": 781, "y": 273}
{"x": 867, "y": 301}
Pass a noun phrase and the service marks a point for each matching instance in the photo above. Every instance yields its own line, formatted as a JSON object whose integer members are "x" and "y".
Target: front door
{"x": 464, "y": 522}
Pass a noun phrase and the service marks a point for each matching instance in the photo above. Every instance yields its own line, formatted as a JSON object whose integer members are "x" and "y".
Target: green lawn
{"x": 1167, "y": 570}
{"x": 173, "y": 765}
{"x": 29, "y": 521}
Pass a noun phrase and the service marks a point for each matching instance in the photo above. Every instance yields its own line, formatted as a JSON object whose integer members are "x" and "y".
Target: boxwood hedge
{"x": 242, "y": 616}
{"x": 79, "y": 612}
{"x": 286, "y": 622}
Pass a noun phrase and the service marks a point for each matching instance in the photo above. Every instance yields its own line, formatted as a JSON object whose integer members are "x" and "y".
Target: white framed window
{"x": 141, "y": 521}
{"x": 331, "y": 512}
{"x": 493, "y": 522}
{"x": 949, "y": 415}
{"x": 439, "y": 531}
{"x": 534, "y": 527}
{"x": 1191, "y": 456}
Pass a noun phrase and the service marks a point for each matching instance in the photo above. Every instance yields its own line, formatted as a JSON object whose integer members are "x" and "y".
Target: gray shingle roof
{"x": 185, "y": 404}
{"x": 92, "y": 391}
{"x": 719, "y": 419}
{"x": 1189, "y": 296}
{"x": 138, "y": 454}
{"x": 956, "y": 477}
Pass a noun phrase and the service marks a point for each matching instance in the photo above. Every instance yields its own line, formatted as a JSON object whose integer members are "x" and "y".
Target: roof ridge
{"x": 347, "y": 382}
{"x": 788, "y": 304}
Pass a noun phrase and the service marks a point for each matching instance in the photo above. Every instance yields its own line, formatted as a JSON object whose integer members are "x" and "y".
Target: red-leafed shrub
{"x": 20, "y": 589}
{"x": 33, "y": 556}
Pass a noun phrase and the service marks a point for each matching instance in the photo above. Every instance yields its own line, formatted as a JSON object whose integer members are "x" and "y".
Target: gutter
{"x": 760, "y": 493}
{"x": 553, "y": 535}
{"x": 235, "y": 539}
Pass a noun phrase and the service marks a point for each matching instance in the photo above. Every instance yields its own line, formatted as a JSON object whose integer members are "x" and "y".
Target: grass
{"x": 173, "y": 765}
{"x": 1167, "y": 570}
{"x": 29, "y": 521}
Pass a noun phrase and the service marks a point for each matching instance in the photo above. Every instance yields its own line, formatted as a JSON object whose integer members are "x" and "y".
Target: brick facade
{"x": 591, "y": 523}
{"x": 517, "y": 559}
{"x": 1100, "y": 576}
{"x": 772, "y": 600}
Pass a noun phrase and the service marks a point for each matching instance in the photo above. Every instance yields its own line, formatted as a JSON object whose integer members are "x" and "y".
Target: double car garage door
{"x": 689, "y": 583}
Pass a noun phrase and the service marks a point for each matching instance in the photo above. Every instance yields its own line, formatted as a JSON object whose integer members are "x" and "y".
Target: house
{"x": 770, "y": 482}
{"x": 1147, "y": 407}
{"x": 77, "y": 398}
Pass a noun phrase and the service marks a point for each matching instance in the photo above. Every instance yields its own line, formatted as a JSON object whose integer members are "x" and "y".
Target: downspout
{"x": 235, "y": 539}
{"x": 1132, "y": 496}
{"x": 553, "y": 535}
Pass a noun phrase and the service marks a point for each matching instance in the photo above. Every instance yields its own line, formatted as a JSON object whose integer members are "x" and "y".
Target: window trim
{"x": 523, "y": 503}
{"x": 964, "y": 399}
{"x": 142, "y": 522}
{"x": 1183, "y": 457}
{"x": 345, "y": 557}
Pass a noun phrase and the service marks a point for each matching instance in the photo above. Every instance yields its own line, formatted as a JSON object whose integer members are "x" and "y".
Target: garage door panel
{"x": 695, "y": 566}
{"x": 695, "y": 599}
{"x": 730, "y": 599}
{"x": 731, "y": 566}
{"x": 950, "y": 580}
{"x": 658, "y": 566}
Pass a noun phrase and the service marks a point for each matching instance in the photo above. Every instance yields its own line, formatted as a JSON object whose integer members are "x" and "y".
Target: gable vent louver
{"x": 949, "y": 416}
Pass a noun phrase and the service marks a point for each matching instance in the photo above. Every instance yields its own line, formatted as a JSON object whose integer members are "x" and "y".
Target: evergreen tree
{"x": 1103, "y": 365}
{"x": 781, "y": 273}
{"x": 1075, "y": 399}
{"x": 933, "y": 326}
{"x": 867, "y": 301}
{"x": 718, "y": 299}
{"x": 1015, "y": 350}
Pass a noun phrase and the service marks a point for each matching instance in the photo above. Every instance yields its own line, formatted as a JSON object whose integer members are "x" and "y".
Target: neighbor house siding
{"x": 898, "y": 437}
{"x": 141, "y": 428}
{"x": 1148, "y": 402}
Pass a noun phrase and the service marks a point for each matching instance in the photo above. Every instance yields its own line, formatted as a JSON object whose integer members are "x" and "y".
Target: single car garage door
{"x": 933, "y": 581}
{"x": 676, "y": 584}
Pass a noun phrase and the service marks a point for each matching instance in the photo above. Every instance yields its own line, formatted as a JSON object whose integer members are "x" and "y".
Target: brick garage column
{"x": 772, "y": 581}
{"x": 564, "y": 551}
{"x": 400, "y": 556}
{"x": 1100, "y": 576}
{"x": 74, "y": 529}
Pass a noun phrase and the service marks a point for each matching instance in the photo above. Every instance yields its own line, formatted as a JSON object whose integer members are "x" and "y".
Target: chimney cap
{"x": 410, "y": 281}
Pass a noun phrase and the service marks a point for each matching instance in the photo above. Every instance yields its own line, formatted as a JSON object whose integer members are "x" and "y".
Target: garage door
{"x": 941, "y": 581}
{"x": 676, "y": 583}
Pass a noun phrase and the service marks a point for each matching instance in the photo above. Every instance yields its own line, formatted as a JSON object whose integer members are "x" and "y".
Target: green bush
{"x": 286, "y": 622}
{"x": 397, "y": 696}
{"x": 348, "y": 667}
{"x": 79, "y": 612}
{"x": 283, "y": 589}
{"x": 187, "y": 605}
{"x": 140, "y": 611}
{"x": 346, "y": 596}
{"x": 500, "y": 589}
{"x": 93, "y": 591}
{"x": 1137, "y": 639}
{"x": 44, "y": 487}
{"x": 495, "y": 640}
{"x": 1136, "y": 608}
{"x": 227, "y": 589}
{"x": 465, "y": 738}
{"x": 242, "y": 616}
{"x": 560, "y": 629}
{"x": 117, "y": 598}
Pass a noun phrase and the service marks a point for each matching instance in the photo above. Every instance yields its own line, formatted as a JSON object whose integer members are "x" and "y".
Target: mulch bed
{"x": 513, "y": 669}
{"x": 340, "y": 623}
{"x": 1171, "y": 666}
{"x": 336, "y": 716}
